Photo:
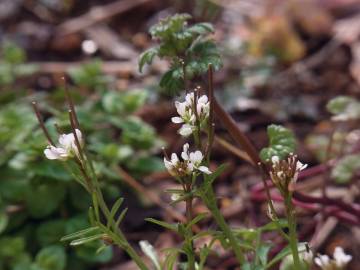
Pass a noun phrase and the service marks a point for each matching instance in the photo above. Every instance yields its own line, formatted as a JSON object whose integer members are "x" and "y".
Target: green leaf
{"x": 4, "y": 220}
{"x": 171, "y": 82}
{"x": 121, "y": 217}
{"x": 43, "y": 199}
{"x": 50, "y": 232}
{"x": 169, "y": 25}
{"x": 147, "y": 57}
{"x": 172, "y": 227}
{"x": 123, "y": 102}
{"x": 345, "y": 168}
{"x": 11, "y": 246}
{"x": 88, "y": 252}
{"x": 262, "y": 253}
{"x": 85, "y": 240}
{"x": 145, "y": 165}
{"x": 113, "y": 211}
{"x": 197, "y": 219}
{"x": 201, "y": 55}
{"x": 81, "y": 233}
{"x": 344, "y": 108}
{"x": 339, "y": 104}
{"x": 281, "y": 143}
{"x": 201, "y": 28}
{"x": 12, "y": 53}
{"x": 51, "y": 258}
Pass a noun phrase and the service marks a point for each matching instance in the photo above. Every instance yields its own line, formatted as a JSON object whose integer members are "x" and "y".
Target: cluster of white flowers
{"x": 339, "y": 261}
{"x": 285, "y": 170}
{"x": 191, "y": 114}
{"x": 190, "y": 163}
{"x": 67, "y": 147}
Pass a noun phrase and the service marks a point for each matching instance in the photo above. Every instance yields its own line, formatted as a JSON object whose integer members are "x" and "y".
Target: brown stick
{"x": 96, "y": 15}
{"x": 235, "y": 132}
{"x": 41, "y": 123}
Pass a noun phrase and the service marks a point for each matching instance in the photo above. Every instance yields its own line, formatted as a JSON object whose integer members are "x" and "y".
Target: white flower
{"x": 323, "y": 261}
{"x": 191, "y": 161}
{"x": 340, "y": 257}
{"x": 67, "y": 147}
{"x": 339, "y": 261}
{"x": 191, "y": 114}
{"x": 52, "y": 152}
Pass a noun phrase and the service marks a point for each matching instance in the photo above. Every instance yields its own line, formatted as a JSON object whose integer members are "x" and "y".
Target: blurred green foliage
{"x": 39, "y": 201}
{"x": 188, "y": 48}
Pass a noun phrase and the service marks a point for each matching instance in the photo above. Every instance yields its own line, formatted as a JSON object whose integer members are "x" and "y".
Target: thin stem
{"x": 210, "y": 202}
{"x": 189, "y": 217}
{"x": 293, "y": 241}
{"x": 41, "y": 123}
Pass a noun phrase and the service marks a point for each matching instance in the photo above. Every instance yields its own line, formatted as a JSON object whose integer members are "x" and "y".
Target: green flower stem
{"x": 293, "y": 241}
{"x": 127, "y": 247}
{"x": 188, "y": 236}
{"x": 98, "y": 196}
{"x": 210, "y": 200}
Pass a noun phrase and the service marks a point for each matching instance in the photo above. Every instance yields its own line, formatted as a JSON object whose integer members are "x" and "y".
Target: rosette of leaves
{"x": 344, "y": 108}
{"x": 188, "y": 48}
{"x": 281, "y": 143}
{"x": 346, "y": 168}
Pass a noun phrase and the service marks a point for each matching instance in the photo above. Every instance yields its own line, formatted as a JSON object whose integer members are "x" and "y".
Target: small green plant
{"x": 188, "y": 48}
{"x": 12, "y": 64}
{"x": 190, "y": 54}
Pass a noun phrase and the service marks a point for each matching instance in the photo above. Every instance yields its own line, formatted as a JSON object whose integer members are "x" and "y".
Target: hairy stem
{"x": 189, "y": 217}
{"x": 293, "y": 241}
{"x": 210, "y": 200}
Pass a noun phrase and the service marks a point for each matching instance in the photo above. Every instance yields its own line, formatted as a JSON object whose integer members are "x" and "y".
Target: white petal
{"x": 189, "y": 99}
{"x": 341, "y": 258}
{"x": 204, "y": 169}
{"x": 322, "y": 261}
{"x": 168, "y": 164}
{"x": 300, "y": 166}
{"x": 185, "y": 153}
{"x": 79, "y": 136}
{"x": 275, "y": 159}
{"x": 52, "y": 152}
{"x": 190, "y": 167}
{"x": 177, "y": 120}
{"x": 174, "y": 159}
{"x": 67, "y": 141}
{"x": 180, "y": 107}
{"x": 196, "y": 157}
{"x": 203, "y": 99}
{"x": 185, "y": 130}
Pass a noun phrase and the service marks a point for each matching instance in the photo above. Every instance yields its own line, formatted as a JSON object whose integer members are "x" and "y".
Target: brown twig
{"x": 235, "y": 132}
{"x": 96, "y": 15}
{"x": 41, "y": 122}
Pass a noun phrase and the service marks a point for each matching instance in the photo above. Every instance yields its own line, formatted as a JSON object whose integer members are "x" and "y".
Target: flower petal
{"x": 185, "y": 130}
{"x": 177, "y": 120}
{"x": 204, "y": 169}
{"x": 196, "y": 157}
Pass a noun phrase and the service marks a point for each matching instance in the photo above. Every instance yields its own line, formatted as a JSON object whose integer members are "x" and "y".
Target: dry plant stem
{"x": 211, "y": 124}
{"x": 41, "y": 123}
{"x": 235, "y": 132}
